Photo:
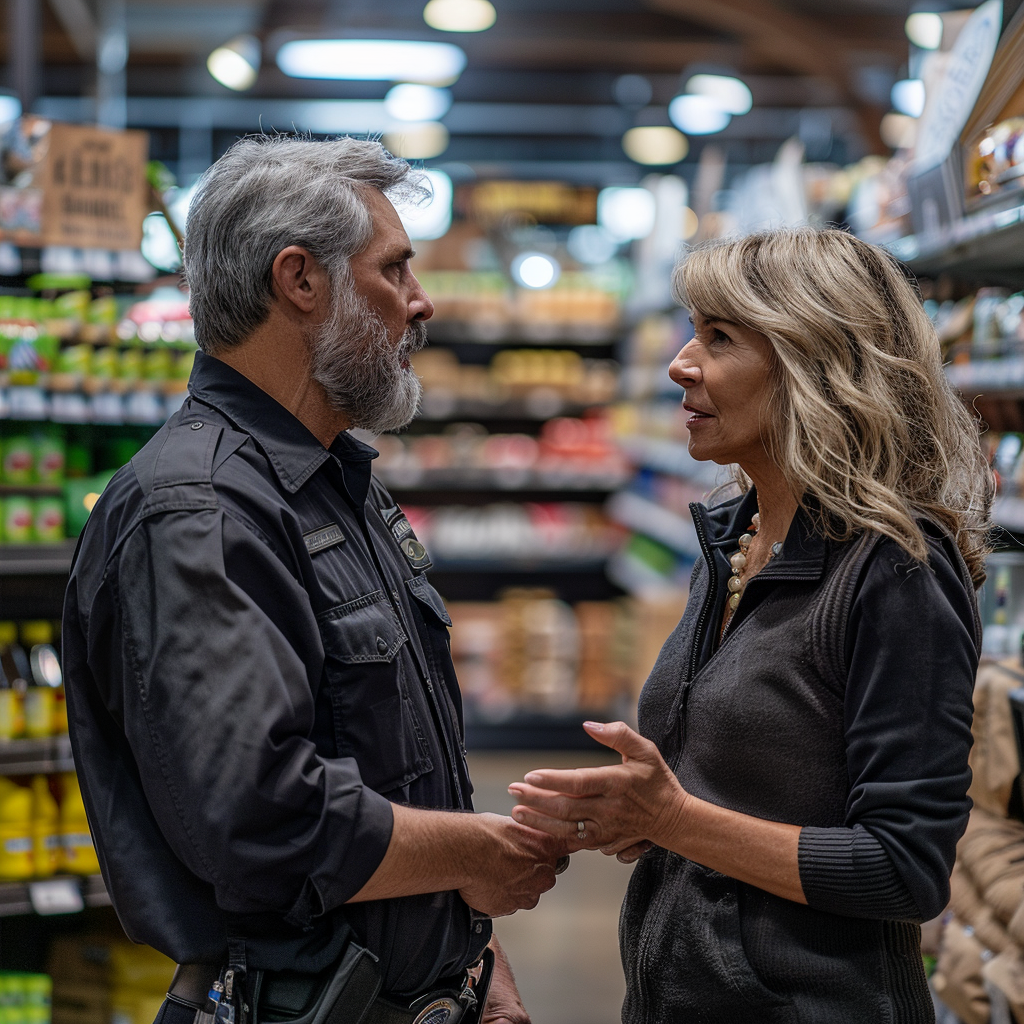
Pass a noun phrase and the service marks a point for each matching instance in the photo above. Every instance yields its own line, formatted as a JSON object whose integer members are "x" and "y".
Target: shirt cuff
{"x": 364, "y": 841}
{"x": 847, "y": 871}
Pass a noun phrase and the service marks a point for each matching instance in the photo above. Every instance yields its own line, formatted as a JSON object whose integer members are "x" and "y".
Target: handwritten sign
{"x": 94, "y": 188}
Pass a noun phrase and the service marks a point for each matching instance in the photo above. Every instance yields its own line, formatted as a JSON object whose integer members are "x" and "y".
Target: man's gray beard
{"x": 360, "y": 368}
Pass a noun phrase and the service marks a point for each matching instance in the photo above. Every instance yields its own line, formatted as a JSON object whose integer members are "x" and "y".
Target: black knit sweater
{"x": 840, "y": 701}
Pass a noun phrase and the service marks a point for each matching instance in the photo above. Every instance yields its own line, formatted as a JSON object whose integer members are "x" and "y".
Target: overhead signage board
{"x": 968, "y": 64}
{"x": 88, "y": 190}
{"x": 546, "y": 202}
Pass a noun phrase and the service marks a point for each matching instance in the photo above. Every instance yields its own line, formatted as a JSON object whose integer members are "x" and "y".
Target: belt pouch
{"x": 340, "y": 994}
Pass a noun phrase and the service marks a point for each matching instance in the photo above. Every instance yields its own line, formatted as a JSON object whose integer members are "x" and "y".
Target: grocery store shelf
{"x": 16, "y": 898}
{"x": 1004, "y": 377}
{"x": 986, "y": 246}
{"x": 439, "y": 407}
{"x": 527, "y": 563}
{"x": 483, "y": 332}
{"x": 671, "y": 457}
{"x": 1008, "y": 512}
{"x": 37, "y": 559}
{"x": 532, "y": 731}
{"x": 652, "y": 520}
{"x": 36, "y": 757}
{"x": 31, "y": 490}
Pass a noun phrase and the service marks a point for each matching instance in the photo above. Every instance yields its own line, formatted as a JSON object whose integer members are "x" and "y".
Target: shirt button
{"x": 479, "y": 928}
{"x": 382, "y": 645}
{"x": 198, "y": 425}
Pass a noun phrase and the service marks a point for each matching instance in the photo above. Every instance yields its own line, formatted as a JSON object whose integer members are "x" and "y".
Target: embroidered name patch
{"x": 323, "y": 538}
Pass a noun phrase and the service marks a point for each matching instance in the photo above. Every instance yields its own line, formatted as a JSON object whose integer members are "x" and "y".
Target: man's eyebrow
{"x": 397, "y": 255}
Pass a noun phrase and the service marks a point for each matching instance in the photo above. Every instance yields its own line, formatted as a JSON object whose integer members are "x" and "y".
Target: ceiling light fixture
{"x": 732, "y": 95}
{"x": 10, "y": 107}
{"x": 421, "y": 141}
{"x": 698, "y": 115}
{"x": 378, "y": 60}
{"x": 411, "y": 102}
{"x": 924, "y": 29}
{"x": 460, "y": 15}
{"x": 908, "y": 96}
{"x": 898, "y": 131}
{"x": 626, "y": 213}
{"x": 535, "y": 270}
{"x": 429, "y": 218}
{"x": 655, "y": 145}
{"x": 236, "y": 64}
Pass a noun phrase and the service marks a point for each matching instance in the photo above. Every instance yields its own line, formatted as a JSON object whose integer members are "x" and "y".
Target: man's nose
{"x": 420, "y": 306}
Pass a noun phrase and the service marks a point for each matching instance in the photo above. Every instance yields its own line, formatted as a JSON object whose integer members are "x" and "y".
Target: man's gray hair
{"x": 268, "y": 192}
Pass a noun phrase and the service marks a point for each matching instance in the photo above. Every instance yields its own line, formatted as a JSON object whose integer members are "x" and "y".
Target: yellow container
{"x": 16, "y": 854}
{"x": 47, "y": 845}
{"x": 79, "y": 852}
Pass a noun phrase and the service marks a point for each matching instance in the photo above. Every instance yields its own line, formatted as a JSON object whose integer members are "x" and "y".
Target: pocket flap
{"x": 427, "y": 595}
{"x": 362, "y": 630}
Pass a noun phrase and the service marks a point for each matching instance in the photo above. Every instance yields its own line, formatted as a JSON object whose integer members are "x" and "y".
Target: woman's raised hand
{"x": 620, "y": 809}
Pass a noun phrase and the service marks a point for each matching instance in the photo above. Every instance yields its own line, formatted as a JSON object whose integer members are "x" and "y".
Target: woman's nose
{"x": 684, "y": 371}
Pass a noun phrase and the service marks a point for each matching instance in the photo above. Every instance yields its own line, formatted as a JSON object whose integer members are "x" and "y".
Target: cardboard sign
{"x": 88, "y": 190}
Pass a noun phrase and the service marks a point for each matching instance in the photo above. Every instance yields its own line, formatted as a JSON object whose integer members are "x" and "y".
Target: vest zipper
{"x": 698, "y": 636}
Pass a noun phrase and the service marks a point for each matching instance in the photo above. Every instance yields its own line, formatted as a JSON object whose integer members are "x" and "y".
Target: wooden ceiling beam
{"x": 787, "y": 40}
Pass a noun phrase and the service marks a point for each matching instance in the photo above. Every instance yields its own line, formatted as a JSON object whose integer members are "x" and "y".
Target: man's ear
{"x": 299, "y": 279}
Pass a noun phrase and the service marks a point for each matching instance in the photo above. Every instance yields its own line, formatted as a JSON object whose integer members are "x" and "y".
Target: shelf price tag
{"x": 56, "y": 896}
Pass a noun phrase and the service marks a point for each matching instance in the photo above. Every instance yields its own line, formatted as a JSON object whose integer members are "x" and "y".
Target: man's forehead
{"x": 388, "y": 230}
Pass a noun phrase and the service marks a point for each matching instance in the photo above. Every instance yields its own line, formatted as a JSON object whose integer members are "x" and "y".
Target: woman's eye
{"x": 719, "y": 338}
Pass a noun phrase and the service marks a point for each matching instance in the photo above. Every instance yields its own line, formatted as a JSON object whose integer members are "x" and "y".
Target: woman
{"x": 798, "y": 786}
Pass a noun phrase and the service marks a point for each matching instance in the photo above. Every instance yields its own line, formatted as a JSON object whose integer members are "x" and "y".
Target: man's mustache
{"x": 415, "y": 337}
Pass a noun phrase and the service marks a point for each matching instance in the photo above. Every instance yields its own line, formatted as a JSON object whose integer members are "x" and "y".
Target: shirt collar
{"x": 292, "y": 450}
{"x": 803, "y": 550}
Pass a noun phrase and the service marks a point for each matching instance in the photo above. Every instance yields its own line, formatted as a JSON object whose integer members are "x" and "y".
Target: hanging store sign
{"x": 546, "y": 202}
{"x": 88, "y": 188}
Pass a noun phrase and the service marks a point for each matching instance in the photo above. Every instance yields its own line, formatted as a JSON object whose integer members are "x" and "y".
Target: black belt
{"x": 445, "y": 1004}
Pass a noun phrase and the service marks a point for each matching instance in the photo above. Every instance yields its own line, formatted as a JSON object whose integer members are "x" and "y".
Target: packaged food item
{"x": 79, "y": 852}
{"x": 17, "y": 862}
{"x": 47, "y": 848}
{"x": 44, "y": 678}
{"x": 19, "y": 459}
{"x": 12, "y": 686}
{"x": 50, "y": 456}
{"x": 19, "y": 517}
{"x": 48, "y": 520}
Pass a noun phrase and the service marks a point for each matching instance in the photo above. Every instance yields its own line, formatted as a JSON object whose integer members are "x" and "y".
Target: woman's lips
{"x": 696, "y": 416}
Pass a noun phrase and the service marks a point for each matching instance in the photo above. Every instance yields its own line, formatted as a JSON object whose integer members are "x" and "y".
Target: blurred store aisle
{"x": 565, "y": 953}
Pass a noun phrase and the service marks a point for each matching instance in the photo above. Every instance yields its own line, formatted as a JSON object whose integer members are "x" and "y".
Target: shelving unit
{"x": 17, "y": 899}
{"x": 987, "y": 246}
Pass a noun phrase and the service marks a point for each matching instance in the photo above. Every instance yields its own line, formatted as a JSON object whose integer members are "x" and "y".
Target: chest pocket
{"x": 375, "y": 720}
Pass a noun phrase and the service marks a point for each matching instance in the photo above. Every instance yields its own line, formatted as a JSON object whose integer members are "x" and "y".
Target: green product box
{"x": 19, "y": 460}
{"x": 19, "y": 516}
{"x": 48, "y": 520}
{"x": 51, "y": 457}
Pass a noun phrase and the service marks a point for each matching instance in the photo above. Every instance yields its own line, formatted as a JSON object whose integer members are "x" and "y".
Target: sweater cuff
{"x": 847, "y": 871}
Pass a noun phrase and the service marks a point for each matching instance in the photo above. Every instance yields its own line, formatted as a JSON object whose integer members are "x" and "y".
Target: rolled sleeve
{"x": 912, "y": 659}
{"x": 219, "y": 710}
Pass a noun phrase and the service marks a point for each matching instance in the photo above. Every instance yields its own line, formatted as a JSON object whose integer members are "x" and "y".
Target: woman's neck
{"x": 775, "y": 503}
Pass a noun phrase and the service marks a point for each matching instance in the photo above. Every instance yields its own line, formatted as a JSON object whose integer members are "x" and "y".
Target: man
{"x": 264, "y": 713}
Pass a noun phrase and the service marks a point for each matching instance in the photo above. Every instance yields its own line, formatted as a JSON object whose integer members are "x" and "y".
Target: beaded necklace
{"x": 738, "y": 561}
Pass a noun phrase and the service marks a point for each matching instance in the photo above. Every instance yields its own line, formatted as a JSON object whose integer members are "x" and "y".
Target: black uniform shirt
{"x": 256, "y": 666}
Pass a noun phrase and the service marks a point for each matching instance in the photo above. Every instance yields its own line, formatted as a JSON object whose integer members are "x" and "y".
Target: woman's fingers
{"x": 620, "y": 737}
{"x": 554, "y": 805}
{"x": 574, "y": 781}
{"x": 567, "y": 831}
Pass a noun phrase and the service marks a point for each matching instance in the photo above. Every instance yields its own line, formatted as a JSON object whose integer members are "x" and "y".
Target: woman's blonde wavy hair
{"x": 861, "y": 416}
